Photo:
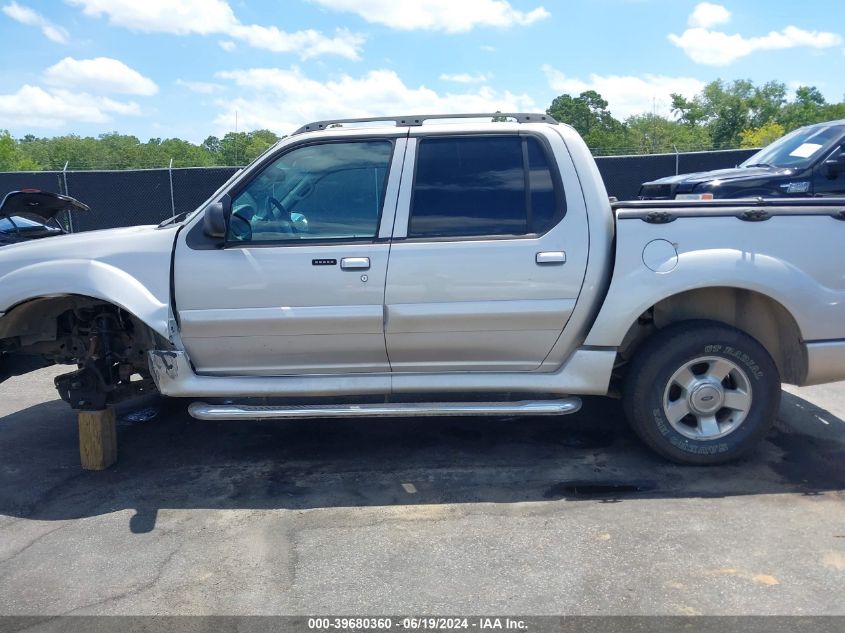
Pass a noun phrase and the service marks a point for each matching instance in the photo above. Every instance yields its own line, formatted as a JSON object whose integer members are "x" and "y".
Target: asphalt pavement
{"x": 529, "y": 516}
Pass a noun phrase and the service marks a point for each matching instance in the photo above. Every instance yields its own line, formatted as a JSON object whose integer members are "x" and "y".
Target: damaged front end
{"x": 111, "y": 371}
{"x": 107, "y": 344}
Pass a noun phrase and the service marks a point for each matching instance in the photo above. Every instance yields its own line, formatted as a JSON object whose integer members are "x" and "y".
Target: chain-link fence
{"x": 623, "y": 175}
{"x": 125, "y": 198}
{"x": 147, "y": 196}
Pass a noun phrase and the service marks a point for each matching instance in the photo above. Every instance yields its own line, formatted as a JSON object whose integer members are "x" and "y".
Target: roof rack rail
{"x": 521, "y": 117}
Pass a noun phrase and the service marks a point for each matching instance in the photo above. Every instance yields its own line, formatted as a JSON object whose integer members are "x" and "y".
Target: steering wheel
{"x": 281, "y": 215}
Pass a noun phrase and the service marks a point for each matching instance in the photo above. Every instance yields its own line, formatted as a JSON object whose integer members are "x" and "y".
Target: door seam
{"x": 389, "y": 252}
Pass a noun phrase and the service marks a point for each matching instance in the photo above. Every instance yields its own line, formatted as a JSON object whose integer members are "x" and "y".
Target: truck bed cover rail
{"x": 749, "y": 210}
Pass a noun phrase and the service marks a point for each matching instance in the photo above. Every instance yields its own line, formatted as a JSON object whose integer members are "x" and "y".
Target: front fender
{"x": 128, "y": 267}
{"x": 87, "y": 278}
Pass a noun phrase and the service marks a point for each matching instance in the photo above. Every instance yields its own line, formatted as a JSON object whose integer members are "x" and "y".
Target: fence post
{"x": 67, "y": 193}
{"x": 172, "y": 199}
{"x": 677, "y": 159}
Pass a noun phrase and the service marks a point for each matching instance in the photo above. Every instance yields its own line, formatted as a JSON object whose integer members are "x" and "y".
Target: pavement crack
{"x": 134, "y": 590}
{"x": 48, "y": 496}
{"x": 29, "y": 545}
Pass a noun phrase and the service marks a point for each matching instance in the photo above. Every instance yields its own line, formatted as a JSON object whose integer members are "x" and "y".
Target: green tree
{"x": 241, "y": 148}
{"x": 586, "y": 113}
{"x": 185, "y": 154}
{"x": 589, "y": 115}
{"x": 259, "y": 142}
{"x": 768, "y": 100}
{"x": 761, "y": 136}
{"x": 212, "y": 145}
{"x": 8, "y": 151}
{"x": 120, "y": 151}
{"x": 232, "y": 149}
{"x": 726, "y": 109}
{"x": 11, "y": 157}
{"x": 809, "y": 106}
{"x": 652, "y": 134}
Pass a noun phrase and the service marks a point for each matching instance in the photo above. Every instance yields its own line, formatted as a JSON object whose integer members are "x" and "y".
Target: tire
{"x": 679, "y": 369}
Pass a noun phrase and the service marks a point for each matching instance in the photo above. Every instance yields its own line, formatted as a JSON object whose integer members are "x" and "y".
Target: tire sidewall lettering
{"x": 737, "y": 355}
{"x": 680, "y": 442}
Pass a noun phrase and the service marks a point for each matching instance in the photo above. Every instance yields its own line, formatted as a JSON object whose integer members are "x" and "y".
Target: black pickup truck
{"x": 809, "y": 161}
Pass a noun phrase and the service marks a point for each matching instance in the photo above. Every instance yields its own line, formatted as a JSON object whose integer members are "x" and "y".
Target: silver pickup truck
{"x": 410, "y": 267}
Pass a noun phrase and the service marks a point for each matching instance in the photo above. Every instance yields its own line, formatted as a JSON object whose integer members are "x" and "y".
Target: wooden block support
{"x": 97, "y": 439}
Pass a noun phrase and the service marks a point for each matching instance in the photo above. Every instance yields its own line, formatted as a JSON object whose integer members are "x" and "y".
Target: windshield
{"x": 799, "y": 148}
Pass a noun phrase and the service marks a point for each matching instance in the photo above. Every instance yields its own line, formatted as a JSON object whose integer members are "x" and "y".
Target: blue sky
{"x": 162, "y": 68}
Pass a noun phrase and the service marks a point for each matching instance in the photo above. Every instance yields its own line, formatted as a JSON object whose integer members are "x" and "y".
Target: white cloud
{"x": 716, "y": 48}
{"x": 33, "y": 106}
{"x": 178, "y": 17}
{"x": 283, "y": 100}
{"x": 438, "y": 15}
{"x": 208, "y": 17}
{"x": 27, "y": 16}
{"x": 227, "y": 45}
{"x": 627, "y": 95}
{"x": 201, "y": 87}
{"x": 307, "y": 44}
{"x": 707, "y": 14}
{"x": 488, "y": 49}
{"x": 467, "y": 78}
{"x": 99, "y": 75}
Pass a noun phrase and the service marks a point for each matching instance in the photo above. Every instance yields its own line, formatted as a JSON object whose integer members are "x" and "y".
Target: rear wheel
{"x": 701, "y": 392}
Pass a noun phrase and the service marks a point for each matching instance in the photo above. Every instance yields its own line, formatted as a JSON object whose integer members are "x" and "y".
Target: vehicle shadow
{"x": 20, "y": 364}
{"x": 168, "y": 460}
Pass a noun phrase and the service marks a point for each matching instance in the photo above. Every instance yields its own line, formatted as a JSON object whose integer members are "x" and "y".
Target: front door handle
{"x": 551, "y": 257}
{"x": 355, "y": 263}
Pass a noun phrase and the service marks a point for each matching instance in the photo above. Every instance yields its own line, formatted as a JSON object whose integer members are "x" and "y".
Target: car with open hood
{"x": 32, "y": 214}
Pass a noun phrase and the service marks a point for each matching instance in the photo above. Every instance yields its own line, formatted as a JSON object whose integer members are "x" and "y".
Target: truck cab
{"x": 403, "y": 249}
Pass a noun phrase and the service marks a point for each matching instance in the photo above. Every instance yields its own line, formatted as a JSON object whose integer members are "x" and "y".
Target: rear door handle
{"x": 551, "y": 257}
{"x": 355, "y": 263}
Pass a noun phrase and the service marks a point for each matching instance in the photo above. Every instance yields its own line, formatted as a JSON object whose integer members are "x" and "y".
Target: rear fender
{"x": 635, "y": 289}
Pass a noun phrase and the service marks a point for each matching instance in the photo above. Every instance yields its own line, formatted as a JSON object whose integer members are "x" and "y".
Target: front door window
{"x": 332, "y": 191}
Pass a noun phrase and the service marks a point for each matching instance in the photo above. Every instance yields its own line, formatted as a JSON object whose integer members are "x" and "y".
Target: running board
{"x": 203, "y": 411}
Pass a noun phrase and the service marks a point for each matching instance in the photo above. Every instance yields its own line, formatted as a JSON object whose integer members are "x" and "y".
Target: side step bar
{"x": 203, "y": 411}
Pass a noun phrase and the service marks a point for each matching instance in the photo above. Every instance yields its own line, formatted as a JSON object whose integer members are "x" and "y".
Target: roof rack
{"x": 521, "y": 117}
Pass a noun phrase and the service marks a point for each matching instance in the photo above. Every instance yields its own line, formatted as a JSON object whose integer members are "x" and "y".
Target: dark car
{"x": 809, "y": 161}
{"x": 31, "y": 214}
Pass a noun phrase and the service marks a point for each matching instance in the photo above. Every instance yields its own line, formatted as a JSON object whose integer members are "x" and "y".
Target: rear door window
{"x": 483, "y": 186}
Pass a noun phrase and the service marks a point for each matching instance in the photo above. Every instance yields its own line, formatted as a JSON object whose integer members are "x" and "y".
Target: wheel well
{"x": 754, "y": 313}
{"x": 108, "y": 344}
{"x": 36, "y": 324}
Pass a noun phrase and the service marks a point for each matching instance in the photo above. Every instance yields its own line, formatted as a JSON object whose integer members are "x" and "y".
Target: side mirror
{"x": 240, "y": 229}
{"x": 216, "y": 217}
{"x": 835, "y": 166}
